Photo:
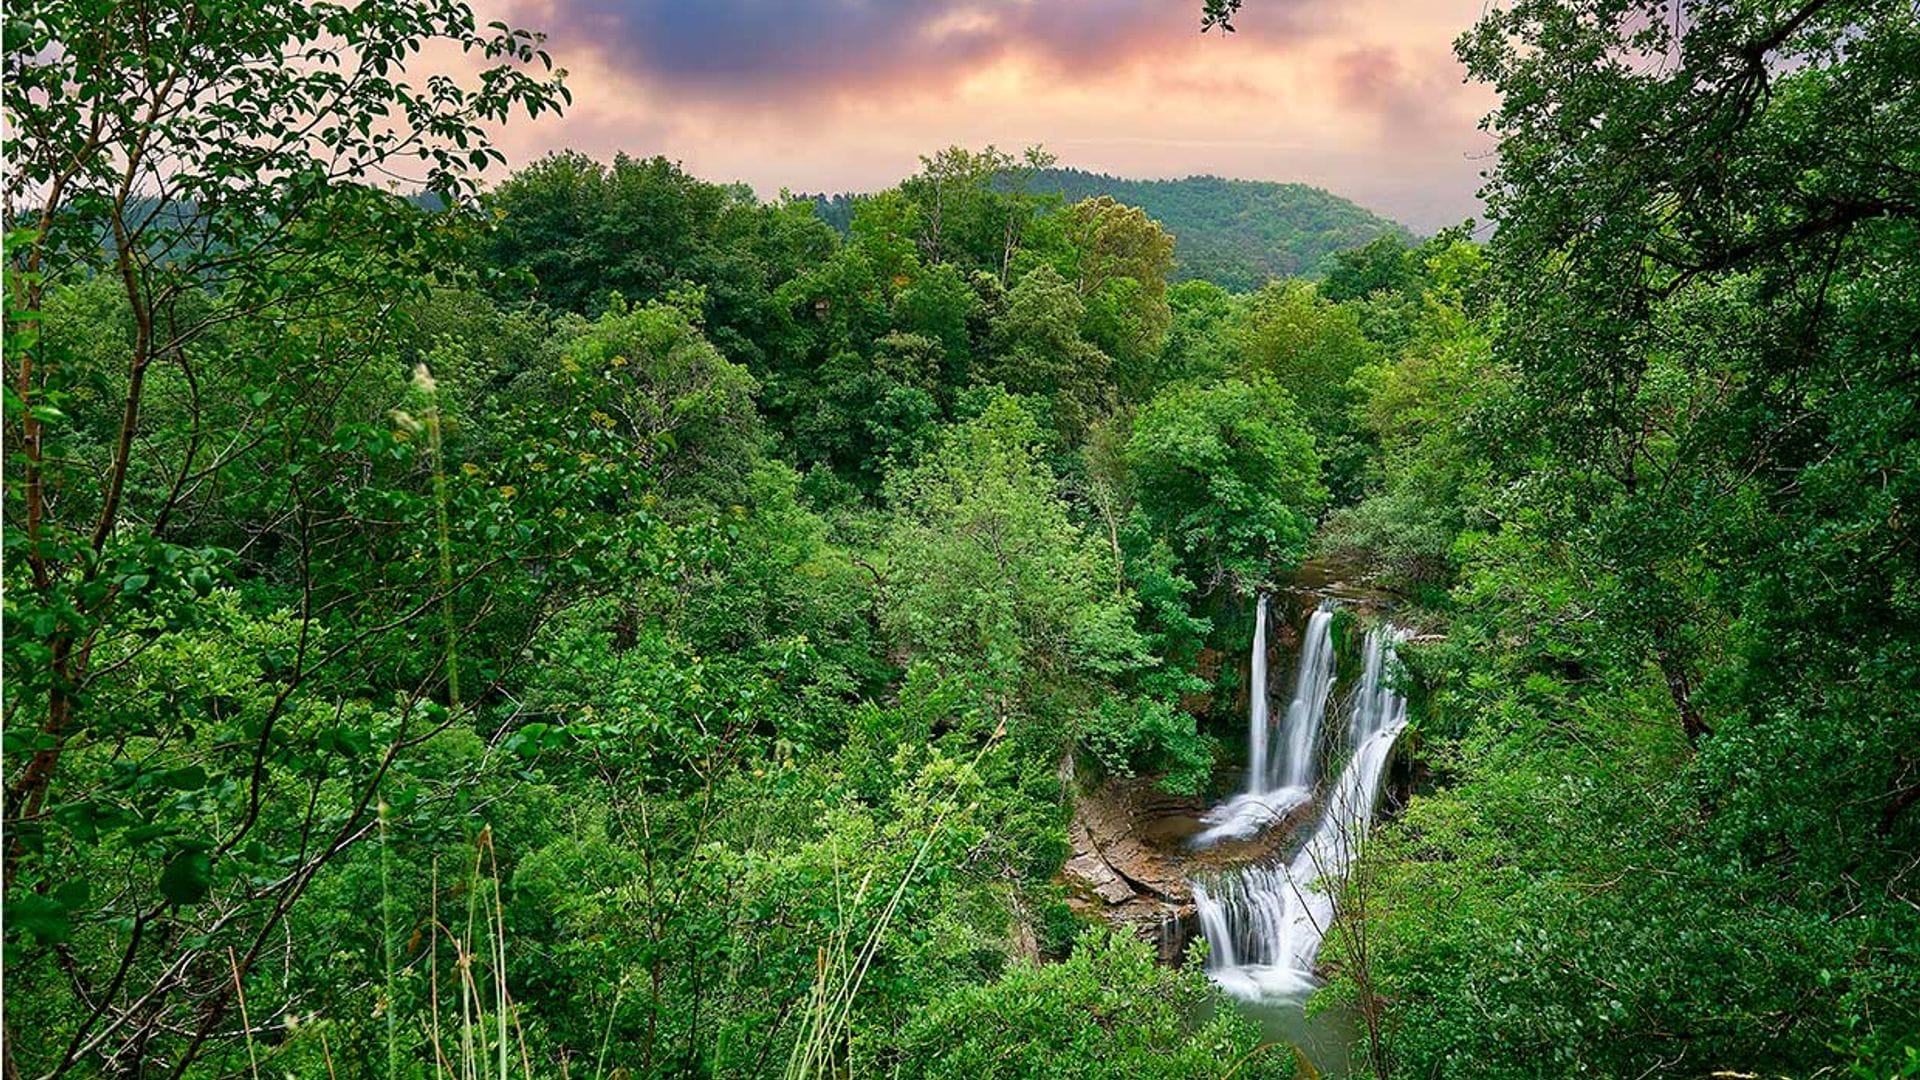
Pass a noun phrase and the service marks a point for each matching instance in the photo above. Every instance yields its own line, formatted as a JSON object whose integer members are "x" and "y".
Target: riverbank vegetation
{"x": 592, "y": 621}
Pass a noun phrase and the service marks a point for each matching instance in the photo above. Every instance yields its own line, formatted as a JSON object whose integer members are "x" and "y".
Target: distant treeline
{"x": 1236, "y": 233}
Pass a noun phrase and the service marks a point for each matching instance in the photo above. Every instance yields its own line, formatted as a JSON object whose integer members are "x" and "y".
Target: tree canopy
{"x": 608, "y": 623}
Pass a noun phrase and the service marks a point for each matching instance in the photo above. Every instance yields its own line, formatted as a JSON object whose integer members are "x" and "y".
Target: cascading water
{"x": 1257, "y": 720}
{"x": 1264, "y": 924}
{"x": 1311, "y": 685}
{"x": 1276, "y": 785}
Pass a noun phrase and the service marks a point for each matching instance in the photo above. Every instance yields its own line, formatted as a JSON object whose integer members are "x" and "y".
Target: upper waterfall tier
{"x": 1278, "y": 783}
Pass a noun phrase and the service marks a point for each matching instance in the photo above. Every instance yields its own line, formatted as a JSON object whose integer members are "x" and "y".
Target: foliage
{"x": 1129, "y": 737}
{"x": 1118, "y": 259}
{"x": 1228, "y": 475}
{"x": 573, "y": 233}
{"x": 1107, "y": 1011}
{"x": 668, "y": 399}
{"x": 1290, "y": 334}
{"x": 1038, "y": 348}
{"x": 1675, "y": 830}
{"x": 1239, "y": 234}
{"x": 615, "y": 625}
{"x": 1425, "y": 406}
{"x": 232, "y": 583}
{"x": 993, "y": 576}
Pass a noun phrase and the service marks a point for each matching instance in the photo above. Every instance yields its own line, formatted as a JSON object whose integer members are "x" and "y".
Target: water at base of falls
{"x": 1247, "y": 815}
{"x": 1264, "y": 923}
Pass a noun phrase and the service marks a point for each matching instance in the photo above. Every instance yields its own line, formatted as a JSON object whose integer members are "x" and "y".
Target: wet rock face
{"x": 1125, "y": 867}
{"x": 1330, "y": 579}
{"x": 1128, "y": 832}
{"x": 1131, "y": 861}
{"x": 1088, "y": 869}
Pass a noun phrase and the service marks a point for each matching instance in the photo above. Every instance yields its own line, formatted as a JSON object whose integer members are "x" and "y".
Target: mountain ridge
{"x": 1235, "y": 233}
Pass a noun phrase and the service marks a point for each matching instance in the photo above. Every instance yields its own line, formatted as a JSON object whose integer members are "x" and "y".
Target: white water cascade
{"x": 1276, "y": 785}
{"x": 1264, "y": 923}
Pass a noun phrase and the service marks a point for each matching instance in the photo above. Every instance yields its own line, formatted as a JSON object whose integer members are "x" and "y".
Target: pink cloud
{"x": 1363, "y": 98}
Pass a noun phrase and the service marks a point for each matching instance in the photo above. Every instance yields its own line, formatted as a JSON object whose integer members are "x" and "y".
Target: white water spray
{"x": 1311, "y": 685}
{"x": 1257, "y": 720}
{"x": 1265, "y": 923}
{"x": 1276, "y": 785}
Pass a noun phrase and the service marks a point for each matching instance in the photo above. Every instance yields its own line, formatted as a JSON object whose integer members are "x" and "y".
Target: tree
{"x": 1614, "y": 260}
{"x": 1383, "y": 283}
{"x": 1038, "y": 349}
{"x": 871, "y": 414}
{"x": 573, "y": 232}
{"x": 939, "y": 304}
{"x": 1228, "y": 474}
{"x": 678, "y": 408}
{"x": 1201, "y": 311}
{"x": 1290, "y": 334}
{"x": 215, "y": 167}
{"x": 954, "y": 191}
{"x": 1684, "y": 631}
{"x": 1428, "y": 406}
{"x": 990, "y": 576}
{"x": 974, "y": 206}
{"x": 1119, "y": 260}
{"x": 1020, "y": 206}
{"x": 1386, "y": 265}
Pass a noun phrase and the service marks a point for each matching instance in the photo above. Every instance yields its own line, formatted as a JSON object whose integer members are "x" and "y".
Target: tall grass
{"x": 487, "y": 1038}
{"x": 838, "y": 974}
{"x": 488, "y": 1032}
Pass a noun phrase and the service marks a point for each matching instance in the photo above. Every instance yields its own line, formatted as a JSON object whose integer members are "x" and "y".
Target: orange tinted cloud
{"x": 1363, "y": 97}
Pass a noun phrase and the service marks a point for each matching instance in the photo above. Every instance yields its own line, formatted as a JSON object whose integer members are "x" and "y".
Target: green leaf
{"x": 74, "y": 893}
{"x": 527, "y": 741}
{"x": 191, "y": 778}
{"x": 187, "y": 877}
{"x": 41, "y": 916}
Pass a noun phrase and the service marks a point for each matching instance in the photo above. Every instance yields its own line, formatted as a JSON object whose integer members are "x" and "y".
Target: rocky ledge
{"x": 1131, "y": 861}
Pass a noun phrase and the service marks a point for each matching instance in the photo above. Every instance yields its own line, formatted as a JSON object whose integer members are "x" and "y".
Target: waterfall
{"x": 1257, "y": 721}
{"x": 1311, "y": 685}
{"x": 1275, "y": 786}
{"x": 1264, "y": 923}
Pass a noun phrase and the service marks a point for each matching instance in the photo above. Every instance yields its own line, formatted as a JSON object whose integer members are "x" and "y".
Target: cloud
{"x": 1407, "y": 98}
{"x": 1362, "y": 97}
{"x": 730, "y": 50}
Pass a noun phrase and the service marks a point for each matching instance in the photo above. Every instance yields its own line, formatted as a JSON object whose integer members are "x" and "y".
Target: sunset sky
{"x": 1362, "y": 97}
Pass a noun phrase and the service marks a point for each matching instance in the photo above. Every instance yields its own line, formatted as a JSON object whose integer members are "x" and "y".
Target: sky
{"x": 1361, "y": 97}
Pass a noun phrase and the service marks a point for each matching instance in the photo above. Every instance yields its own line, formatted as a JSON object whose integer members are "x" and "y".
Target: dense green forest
{"x": 602, "y": 624}
{"x": 1236, "y": 233}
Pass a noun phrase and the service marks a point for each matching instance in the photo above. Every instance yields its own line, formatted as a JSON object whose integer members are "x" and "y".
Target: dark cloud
{"x": 736, "y": 49}
{"x": 1370, "y": 77}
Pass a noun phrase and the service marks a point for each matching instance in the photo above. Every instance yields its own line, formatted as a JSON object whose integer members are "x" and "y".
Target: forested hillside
{"x": 1239, "y": 234}
{"x": 597, "y": 623}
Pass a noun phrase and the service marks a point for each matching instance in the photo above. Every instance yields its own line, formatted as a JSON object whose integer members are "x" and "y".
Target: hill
{"x": 1238, "y": 233}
